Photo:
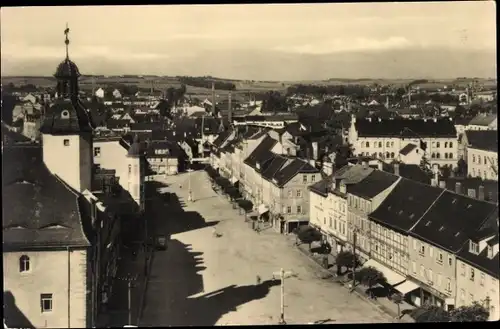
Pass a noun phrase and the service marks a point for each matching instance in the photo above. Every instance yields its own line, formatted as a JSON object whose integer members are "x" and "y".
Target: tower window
{"x": 46, "y": 302}
{"x": 24, "y": 263}
{"x": 66, "y": 142}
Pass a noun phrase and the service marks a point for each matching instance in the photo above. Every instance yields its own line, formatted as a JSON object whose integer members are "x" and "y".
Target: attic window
{"x": 65, "y": 114}
{"x": 454, "y": 201}
{"x": 441, "y": 229}
{"x": 457, "y": 234}
{"x": 428, "y": 223}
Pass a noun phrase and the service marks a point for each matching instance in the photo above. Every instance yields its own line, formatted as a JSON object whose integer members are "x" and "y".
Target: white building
{"x": 483, "y": 121}
{"x": 99, "y": 93}
{"x": 385, "y": 139}
{"x": 117, "y": 94}
{"x": 481, "y": 154}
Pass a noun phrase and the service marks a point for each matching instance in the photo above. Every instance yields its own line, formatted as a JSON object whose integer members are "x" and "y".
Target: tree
{"x": 345, "y": 259}
{"x": 342, "y": 154}
{"x": 461, "y": 168}
{"x": 370, "y": 276}
{"x": 309, "y": 236}
{"x": 471, "y": 313}
{"x": 430, "y": 313}
{"x": 397, "y": 299}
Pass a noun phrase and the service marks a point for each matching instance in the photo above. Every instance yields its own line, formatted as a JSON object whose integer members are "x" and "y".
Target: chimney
{"x": 315, "y": 150}
{"x": 442, "y": 184}
{"x": 458, "y": 188}
{"x": 213, "y": 97}
{"x": 396, "y": 169}
{"x": 230, "y": 113}
{"x": 480, "y": 194}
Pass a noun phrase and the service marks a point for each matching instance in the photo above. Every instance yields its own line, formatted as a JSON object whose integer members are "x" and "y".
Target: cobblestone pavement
{"x": 203, "y": 280}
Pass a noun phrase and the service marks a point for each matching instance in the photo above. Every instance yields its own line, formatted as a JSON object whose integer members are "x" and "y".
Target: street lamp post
{"x": 190, "y": 192}
{"x": 354, "y": 237}
{"x": 282, "y": 275}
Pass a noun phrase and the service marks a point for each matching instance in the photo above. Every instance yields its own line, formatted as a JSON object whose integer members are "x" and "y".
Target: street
{"x": 204, "y": 280}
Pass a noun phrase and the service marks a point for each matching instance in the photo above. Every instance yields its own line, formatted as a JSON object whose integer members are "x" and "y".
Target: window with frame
{"x": 462, "y": 269}
{"x": 472, "y": 274}
{"x": 299, "y": 210}
{"x": 66, "y": 142}
{"x": 46, "y": 302}
{"x": 129, "y": 169}
{"x": 288, "y": 209}
{"x": 290, "y": 193}
{"x": 481, "y": 282}
{"x": 313, "y": 178}
{"x": 330, "y": 221}
{"x": 414, "y": 244}
{"x": 450, "y": 261}
{"x": 24, "y": 263}
{"x": 304, "y": 178}
{"x": 440, "y": 258}
{"x": 97, "y": 151}
{"x": 431, "y": 251}
{"x": 448, "y": 284}
{"x": 299, "y": 193}
{"x": 422, "y": 250}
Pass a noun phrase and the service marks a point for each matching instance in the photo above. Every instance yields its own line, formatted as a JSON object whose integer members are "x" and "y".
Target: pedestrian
{"x": 259, "y": 280}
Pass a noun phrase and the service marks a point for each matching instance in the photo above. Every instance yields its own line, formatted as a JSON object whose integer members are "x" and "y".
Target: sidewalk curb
{"x": 145, "y": 288}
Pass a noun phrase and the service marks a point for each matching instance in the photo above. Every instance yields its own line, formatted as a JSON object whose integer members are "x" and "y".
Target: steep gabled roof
{"x": 406, "y": 128}
{"x": 261, "y": 152}
{"x": 40, "y": 210}
{"x": 486, "y": 140}
{"x": 452, "y": 219}
{"x": 405, "y": 205}
{"x": 483, "y": 119}
{"x": 373, "y": 184}
{"x": 289, "y": 171}
{"x": 275, "y": 165}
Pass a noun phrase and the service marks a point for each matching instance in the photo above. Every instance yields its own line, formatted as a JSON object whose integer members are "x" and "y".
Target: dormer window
{"x": 490, "y": 252}
{"x": 65, "y": 114}
{"x": 474, "y": 248}
{"x": 66, "y": 142}
{"x": 342, "y": 188}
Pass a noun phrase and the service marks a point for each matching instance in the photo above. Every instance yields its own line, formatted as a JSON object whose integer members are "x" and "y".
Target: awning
{"x": 263, "y": 209}
{"x": 392, "y": 277}
{"x": 234, "y": 180}
{"x": 406, "y": 287}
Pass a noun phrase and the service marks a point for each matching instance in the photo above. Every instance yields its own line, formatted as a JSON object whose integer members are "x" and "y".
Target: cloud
{"x": 21, "y": 51}
{"x": 348, "y": 45}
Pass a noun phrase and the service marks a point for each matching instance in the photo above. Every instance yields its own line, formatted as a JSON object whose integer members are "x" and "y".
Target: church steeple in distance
{"x": 67, "y": 74}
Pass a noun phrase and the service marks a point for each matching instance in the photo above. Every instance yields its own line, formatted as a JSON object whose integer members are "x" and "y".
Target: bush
{"x": 309, "y": 235}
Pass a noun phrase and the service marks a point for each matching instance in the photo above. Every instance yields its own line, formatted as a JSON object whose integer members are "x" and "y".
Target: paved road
{"x": 202, "y": 280}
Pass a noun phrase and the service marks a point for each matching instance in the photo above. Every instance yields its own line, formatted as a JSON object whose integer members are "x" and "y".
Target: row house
{"x": 271, "y": 121}
{"x": 362, "y": 199}
{"x": 391, "y": 224}
{"x": 478, "y": 272}
{"x": 481, "y": 153}
{"x": 329, "y": 207}
{"x": 438, "y": 237}
{"x": 436, "y": 139}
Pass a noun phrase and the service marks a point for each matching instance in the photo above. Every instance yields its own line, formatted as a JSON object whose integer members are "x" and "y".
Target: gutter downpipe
{"x": 69, "y": 287}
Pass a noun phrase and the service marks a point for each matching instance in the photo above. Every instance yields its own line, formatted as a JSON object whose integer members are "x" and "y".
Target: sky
{"x": 257, "y": 41}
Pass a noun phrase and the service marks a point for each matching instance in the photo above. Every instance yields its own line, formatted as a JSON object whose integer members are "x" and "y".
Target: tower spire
{"x": 66, "y": 32}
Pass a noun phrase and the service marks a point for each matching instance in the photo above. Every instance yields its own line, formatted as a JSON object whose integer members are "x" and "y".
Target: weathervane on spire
{"x": 66, "y": 32}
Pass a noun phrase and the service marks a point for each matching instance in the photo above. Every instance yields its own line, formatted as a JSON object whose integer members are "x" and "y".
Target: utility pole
{"x": 190, "y": 192}
{"x": 282, "y": 275}
{"x": 129, "y": 278}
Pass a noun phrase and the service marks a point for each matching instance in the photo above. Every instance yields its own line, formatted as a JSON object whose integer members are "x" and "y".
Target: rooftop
{"x": 396, "y": 127}
{"x": 486, "y": 140}
{"x": 452, "y": 219}
{"x": 42, "y": 210}
{"x": 374, "y": 184}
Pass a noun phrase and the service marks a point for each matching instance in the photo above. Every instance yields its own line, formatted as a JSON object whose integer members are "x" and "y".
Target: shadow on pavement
{"x": 168, "y": 213}
{"x": 169, "y": 302}
{"x": 14, "y": 317}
